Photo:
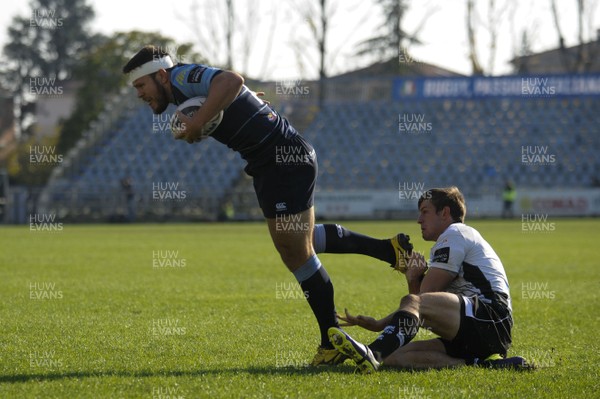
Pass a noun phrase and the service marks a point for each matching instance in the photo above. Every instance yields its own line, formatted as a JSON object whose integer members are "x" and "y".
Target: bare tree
{"x": 214, "y": 25}
{"x": 495, "y": 19}
{"x": 493, "y": 29}
{"x": 264, "y": 70}
{"x": 580, "y": 60}
{"x": 496, "y": 15}
{"x": 249, "y": 38}
{"x": 317, "y": 15}
{"x": 586, "y": 56}
{"x": 592, "y": 29}
{"x": 561, "y": 39}
{"x": 476, "y": 68}
{"x": 313, "y": 45}
{"x": 229, "y": 33}
{"x": 322, "y": 45}
{"x": 392, "y": 39}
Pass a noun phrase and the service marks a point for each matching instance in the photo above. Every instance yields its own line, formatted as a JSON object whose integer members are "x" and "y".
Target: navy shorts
{"x": 485, "y": 329}
{"x": 285, "y": 184}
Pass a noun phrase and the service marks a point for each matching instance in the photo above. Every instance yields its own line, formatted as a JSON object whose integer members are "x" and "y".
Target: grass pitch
{"x": 209, "y": 310}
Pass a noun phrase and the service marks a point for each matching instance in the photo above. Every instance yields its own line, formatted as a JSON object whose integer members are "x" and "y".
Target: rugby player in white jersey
{"x": 462, "y": 295}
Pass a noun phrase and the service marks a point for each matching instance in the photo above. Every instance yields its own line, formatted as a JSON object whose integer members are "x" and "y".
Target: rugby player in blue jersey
{"x": 255, "y": 130}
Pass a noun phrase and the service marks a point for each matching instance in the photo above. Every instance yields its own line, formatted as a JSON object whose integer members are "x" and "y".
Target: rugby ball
{"x": 188, "y": 108}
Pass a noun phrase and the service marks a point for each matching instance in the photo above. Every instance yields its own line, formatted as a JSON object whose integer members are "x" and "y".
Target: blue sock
{"x": 319, "y": 238}
{"x": 318, "y": 289}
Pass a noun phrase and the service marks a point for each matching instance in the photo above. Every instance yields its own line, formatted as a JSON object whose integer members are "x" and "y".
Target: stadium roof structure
{"x": 403, "y": 66}
{"x": 583, "y": 58}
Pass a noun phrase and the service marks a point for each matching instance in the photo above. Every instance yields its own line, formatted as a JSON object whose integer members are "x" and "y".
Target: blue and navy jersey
{"x": 250, "y": 126}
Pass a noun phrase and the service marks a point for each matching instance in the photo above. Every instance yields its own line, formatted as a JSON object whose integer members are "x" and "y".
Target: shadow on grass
{"x": 307, "y": 371}
{"x": 17, "y": 378}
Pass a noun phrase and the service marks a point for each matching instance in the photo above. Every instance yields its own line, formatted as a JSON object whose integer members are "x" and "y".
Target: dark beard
{"x": 162, "y": 101}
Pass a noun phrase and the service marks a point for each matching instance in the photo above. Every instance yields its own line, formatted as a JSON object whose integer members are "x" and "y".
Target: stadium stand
{"x": 475, "y": 144}
{"x": 169, "y": 178}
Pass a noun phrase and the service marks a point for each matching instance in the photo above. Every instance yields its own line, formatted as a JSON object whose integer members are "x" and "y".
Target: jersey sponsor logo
{"x": 196, "y": 74}
{"x": 441, "y": 255}
{"x": 180, "y": 76}
{"x": 281, "y": 206}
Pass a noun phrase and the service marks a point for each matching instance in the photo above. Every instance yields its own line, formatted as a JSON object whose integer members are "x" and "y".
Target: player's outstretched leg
{"x": 334, "y": 238}
{"x": 296, "y": 250}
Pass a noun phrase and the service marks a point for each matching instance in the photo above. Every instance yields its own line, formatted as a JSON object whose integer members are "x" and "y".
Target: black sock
{"x": 318, "y": 290}
{"x": 472, "y": 361}
{"x": 400, "y": 332}
{"x": 340, "y": 240}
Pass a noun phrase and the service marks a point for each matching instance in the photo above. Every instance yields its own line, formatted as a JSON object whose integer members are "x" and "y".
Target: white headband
{"x": 149, "y": 67}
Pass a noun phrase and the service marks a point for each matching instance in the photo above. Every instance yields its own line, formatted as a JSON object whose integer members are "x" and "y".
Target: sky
{"x": 279, "y": 38}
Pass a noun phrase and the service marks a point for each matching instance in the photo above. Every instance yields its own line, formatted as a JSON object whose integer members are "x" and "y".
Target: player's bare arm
{"x": 224, "y": 88}
{"x": 436, "y": 280}
{"x": 366, "y": 322}
{"x": 415, "y": 272}
{"x": 420, "y": 278}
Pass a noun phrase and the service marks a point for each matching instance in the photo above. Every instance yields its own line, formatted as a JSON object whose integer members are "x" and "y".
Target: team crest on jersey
{"x": 180, "y": 76}
{"x": 441, "y": 255}
{"x": 196, "y": 74}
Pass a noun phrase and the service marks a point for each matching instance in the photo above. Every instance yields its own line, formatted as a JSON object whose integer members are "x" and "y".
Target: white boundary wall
{"x": 370, "y": 204}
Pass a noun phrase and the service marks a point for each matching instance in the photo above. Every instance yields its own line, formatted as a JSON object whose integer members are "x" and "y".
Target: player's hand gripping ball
{"x": 188, "y": 108}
